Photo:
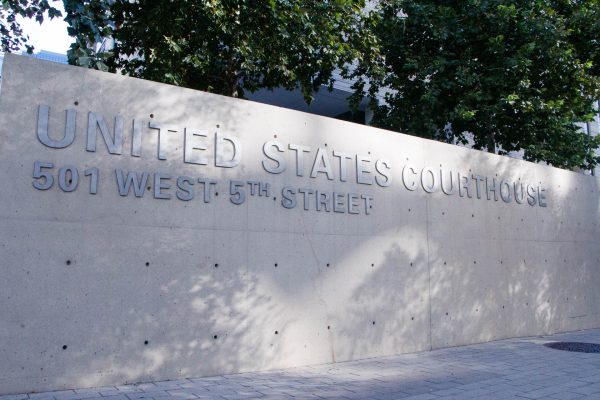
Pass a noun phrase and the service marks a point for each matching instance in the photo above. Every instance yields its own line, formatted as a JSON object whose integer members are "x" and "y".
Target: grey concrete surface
{"x": 101, "y": 288}
{"x": 508, "y": 369}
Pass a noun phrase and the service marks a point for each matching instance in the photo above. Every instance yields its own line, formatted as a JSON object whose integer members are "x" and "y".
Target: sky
{"x": 51, "y": 35}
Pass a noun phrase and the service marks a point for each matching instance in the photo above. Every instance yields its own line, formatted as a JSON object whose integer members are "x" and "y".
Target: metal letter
{"x": 409, "y": 168}
{"x": 264, "y": 189}
{"x": 93, "y": 174}
{"x": 306, "y": 193}
{"x": 207, "y": 184}
{"x": 273, "y": 155}
{"x": 520, "y": 199}
{"x": 321, "y": 164}
{"x": 433, "y": 187}
{"x": 363, "y": 175}
{"x": 508, "y": 196}
{"x": 220, "y": 161}
{"x": 123, "y": 185}
{"x": 162, "y": 154}
{"x": 288, "y": 195}
{"x": 478, "y": 178}
{"x": 136, "y": 139}
{"x": 185, "y": 186}
{"x": 384, "y": 170}
{"x": 237, "y": 192}
{"x": 300, "y": 150}
{"x": 493, "y": 188}
{"x": 542, "y": 197}
{"x": 323, "y": 199}
{"x": 464, "y": 182}
{"x": 368, "y": 203}
{"x": 95, "y": 122}
{"x": 189, "y": 145}
{"x": 531, "y": 195}
{"x": 38, "y": 173}
{"x": 253, "y": 188}
{"x": 452, "y": 189}
{"x": 71, "y": 184}
{"x": 339, "y": 202}
{"x": 353, "y": 203}
{"x": 42, "y": 128}
{"x": 343, "y": 164}
{"x": 159, "y": 185}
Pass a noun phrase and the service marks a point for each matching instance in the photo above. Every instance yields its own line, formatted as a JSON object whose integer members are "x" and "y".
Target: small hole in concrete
{"x": 151, "y": 115}
{"x": 68, "y": 262}
{"x": 70, "y": 181}
{"x": 216, "y": 265}
{"x": 274, "y": 198}
{"x": 444, "y": 262}
{"x": 443, "y": 213}
{"x": 446, "y": 313}
{"x": 275, "y": 265}
{"x": 409, "y": 210}
{"x": 76, "y": 103}
{"x": 373, "y": 322}
{"x": 218, "y": 126}
{"x": 474, "y": 262}
{"x": 64, "y": 347}
{"x": 214, "y": 337}
{"x": 411, "y": 264}
{"x": 147, "y": 264}
{"x": 275, "y": 136}
{"x": 216, "y": 193}
{"x": 328, "y": 327}
{"x": 328, "y": 264}
{"x": 412, "y": 318}
{"x": 372, "y": 265}
{"x": 146, "y": 343}
{"x": 472, "y": 215}
{"x": 148, "y": 188}
{"x": 502, "y": 307}
{"x": 325, "y": 144}
{"x": 277, "y": 332}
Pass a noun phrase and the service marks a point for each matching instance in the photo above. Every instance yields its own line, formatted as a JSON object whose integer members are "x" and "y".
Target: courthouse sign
{"x": 151, "y": 232}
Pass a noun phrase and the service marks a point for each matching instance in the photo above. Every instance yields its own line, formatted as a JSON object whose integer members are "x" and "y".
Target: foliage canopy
{"x": 221, "y": 46}
{"x": 514, "y": 75}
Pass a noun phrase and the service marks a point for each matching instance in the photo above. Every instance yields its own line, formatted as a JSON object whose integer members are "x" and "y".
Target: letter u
{"x": 42, "y": 128}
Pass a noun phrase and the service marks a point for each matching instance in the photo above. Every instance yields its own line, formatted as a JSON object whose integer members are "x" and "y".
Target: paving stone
{"x": 519, "y": 368}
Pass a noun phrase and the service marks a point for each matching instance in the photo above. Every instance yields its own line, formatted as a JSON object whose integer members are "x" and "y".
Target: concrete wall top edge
{"x": 16, "y": 63}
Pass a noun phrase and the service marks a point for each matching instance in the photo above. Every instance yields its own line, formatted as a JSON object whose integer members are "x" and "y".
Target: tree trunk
{"x": 491, "y": 142}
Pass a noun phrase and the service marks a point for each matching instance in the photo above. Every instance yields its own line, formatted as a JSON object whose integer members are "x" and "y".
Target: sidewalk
{"x": 508, "y": 369}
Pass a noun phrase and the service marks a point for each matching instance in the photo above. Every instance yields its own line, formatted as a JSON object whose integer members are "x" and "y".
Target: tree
{"x": 514, "y": 75}
{"x": 13, "y": 38}
{"x": 221, "y": 46}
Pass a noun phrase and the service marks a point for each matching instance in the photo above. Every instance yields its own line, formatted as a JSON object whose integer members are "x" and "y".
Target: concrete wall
{"x": 102, "y": 289}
